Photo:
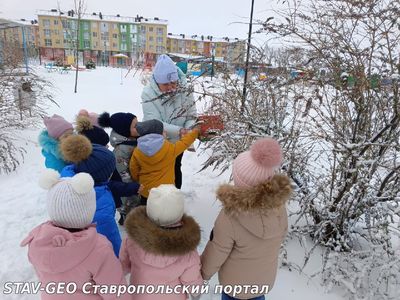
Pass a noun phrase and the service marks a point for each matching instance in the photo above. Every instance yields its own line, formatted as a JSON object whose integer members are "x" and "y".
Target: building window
{"x": 160, "y": 31}
{"x": 86, "y": 26}
{"x": 114, "y": 45}
{"x": 94, "y": 25}
{"x": 94, "y": 34}
{"x": 86, "y": 44}
{"x": 86, "y": 35}
{"x": 159, "y": 49}
{"x": 160, "y": 40}
{"x": 57, "y": 32}
{"x": 151, "y": 38}
{"x": 143, "y": 29}
{"x": 58, "y": 42}
{"x": 55, "y": 22}
{"x": 47, "y": 32}
{"x": 123, "y": 37}
{"x": 104, "y": 36}
{"x": 115, "y": 26}
{"x": 115, "y": 36}
{"x": 123, "y": 47}
{"x": 46, "y": 23}
{"x": 71, "y": 25}
{"x": 151, "y": 29}
{"x": 104, "y": 26}
{"x": 47, "y": 42}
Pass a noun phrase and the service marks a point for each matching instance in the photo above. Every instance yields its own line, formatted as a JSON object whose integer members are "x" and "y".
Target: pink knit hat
{"x": 56, "y": 125}
{"x": 258, "y": 164}
{"x": 92, "y": 116}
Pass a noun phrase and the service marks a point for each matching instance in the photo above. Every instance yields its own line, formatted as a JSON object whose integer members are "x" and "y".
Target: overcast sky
{"x": 208, "y": 17}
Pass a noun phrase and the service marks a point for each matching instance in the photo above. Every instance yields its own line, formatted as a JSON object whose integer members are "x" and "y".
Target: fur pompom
{"x": 82, "y": 183}
{"x": 76, "y": 148}
{"x": 49, "y": 178}
{"x": 266, "y": 152}
{"x": 83, "y": 123}
{"x": 104, "y": 120}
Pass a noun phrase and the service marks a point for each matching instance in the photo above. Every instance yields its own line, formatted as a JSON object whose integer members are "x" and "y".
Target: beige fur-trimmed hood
{"x": 261, "y": 198}
{"x": 157, "y": 240}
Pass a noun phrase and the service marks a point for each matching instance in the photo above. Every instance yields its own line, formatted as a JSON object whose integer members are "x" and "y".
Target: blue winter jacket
{"x": 51, "y": 152}
{"x": 105, "y": 211}
{"x": 176, "y": 111}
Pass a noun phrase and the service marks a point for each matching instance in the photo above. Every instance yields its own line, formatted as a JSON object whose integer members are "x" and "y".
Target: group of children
{"x": 81, "y": 242}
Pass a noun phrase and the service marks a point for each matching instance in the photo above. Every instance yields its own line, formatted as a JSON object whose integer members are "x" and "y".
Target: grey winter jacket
{"x": 122, "y": 153}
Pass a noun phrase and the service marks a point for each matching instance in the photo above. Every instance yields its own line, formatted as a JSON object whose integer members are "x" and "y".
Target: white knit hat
{"x": 165, "y": 205}
{"x": 165, "y": 70}
{"x": 71, "y": 202}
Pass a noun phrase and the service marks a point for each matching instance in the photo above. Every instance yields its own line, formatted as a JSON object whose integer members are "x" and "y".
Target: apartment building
{"x": 15, "y": 35}
{"x": 101, "y": 37}
{"x": 230, "y": 50}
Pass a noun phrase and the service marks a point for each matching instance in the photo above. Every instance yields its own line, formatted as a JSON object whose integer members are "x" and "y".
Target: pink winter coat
{"x": 59, "y": 255}
{"x": 158, "y": 256}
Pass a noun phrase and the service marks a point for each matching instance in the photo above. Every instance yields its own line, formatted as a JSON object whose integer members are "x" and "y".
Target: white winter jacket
{"x": 176, "y": 111}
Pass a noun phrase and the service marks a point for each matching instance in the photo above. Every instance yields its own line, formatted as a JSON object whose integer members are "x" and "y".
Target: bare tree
{"x": 351, "y": 198}
{"x": 339, "y": 131}
{"x": 80, "y": 8}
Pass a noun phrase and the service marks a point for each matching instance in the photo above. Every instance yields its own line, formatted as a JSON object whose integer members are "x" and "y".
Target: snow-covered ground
{"x": 23, "y": 202}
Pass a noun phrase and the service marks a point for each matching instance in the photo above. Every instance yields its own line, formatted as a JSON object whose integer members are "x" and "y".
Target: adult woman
{"x": 166, "y": 98}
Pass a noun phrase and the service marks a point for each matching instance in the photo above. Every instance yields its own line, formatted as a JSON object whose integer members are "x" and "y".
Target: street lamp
{"x": 105, "y": 51}
{"x": 212, "y": 59}
{"x": 25, "y": 50}
{"x": 122, "y": 56}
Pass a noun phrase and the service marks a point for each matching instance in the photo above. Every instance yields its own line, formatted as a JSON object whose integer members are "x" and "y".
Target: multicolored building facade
{"x": 111, "y": 40}
{"x": 230, "y": 50}
{"x": 104, "y": 39}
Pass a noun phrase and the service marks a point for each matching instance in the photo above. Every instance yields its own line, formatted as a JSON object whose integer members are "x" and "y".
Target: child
{"x": 97, "y": 135}
{"x": 57, "y": 128}
{"x": 99, "y": 162}
{"x": 123, "y": 139}
{"x": 67, "y": 249}
{"x": 161, "y": 245}
{"x": 153, "y": 161}
{"x": 248, "y": 232}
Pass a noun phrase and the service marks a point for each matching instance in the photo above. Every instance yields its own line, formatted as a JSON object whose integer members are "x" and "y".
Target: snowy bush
{"x": 340, "y": 134}
{"x": 23, "y": 99}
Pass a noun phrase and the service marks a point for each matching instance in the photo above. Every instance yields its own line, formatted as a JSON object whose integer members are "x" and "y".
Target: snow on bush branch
{"x": 23, "y": 99}
{"x": 339, "y": 130}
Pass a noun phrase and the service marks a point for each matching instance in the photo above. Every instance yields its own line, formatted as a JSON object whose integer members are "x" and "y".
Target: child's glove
{"x": 141, "y": 188}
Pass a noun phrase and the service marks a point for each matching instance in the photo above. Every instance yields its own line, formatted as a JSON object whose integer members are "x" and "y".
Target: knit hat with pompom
{"x": 71, "y": 201}
{"x": 258, "y": 164}
{"x": 90, "y": 158}
{"x": 119, "y": 122}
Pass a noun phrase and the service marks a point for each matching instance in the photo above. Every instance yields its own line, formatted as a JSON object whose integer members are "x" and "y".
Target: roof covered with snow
{"x": 5, "y": 23}
{"x": 202, "y": 38}
{"x": 104, "y": 18}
